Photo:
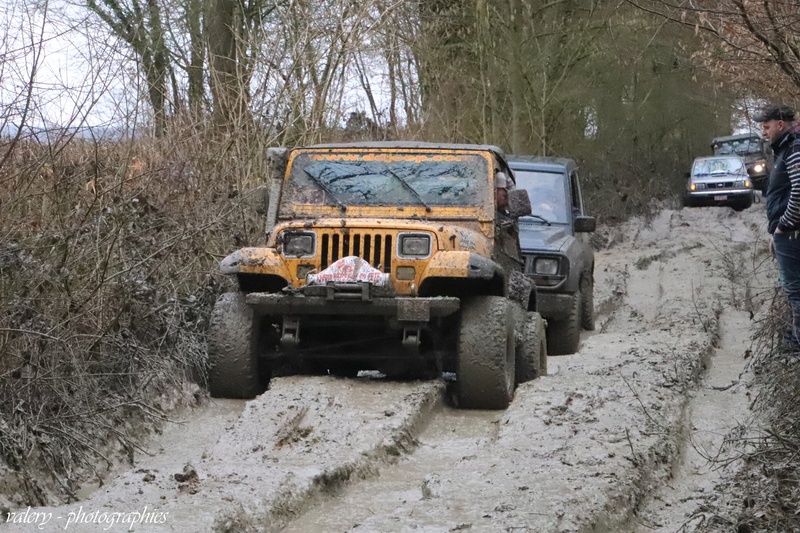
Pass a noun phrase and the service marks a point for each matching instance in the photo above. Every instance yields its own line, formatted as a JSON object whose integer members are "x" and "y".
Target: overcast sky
{"x": 76, "y": 81}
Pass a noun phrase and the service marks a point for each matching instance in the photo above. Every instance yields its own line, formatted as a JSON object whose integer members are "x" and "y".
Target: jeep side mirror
{"x": 585, "y": 224}
{"x": 519, "y": 203}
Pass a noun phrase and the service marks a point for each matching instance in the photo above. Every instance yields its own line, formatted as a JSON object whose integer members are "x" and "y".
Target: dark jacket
{"x": 783, "y": 191}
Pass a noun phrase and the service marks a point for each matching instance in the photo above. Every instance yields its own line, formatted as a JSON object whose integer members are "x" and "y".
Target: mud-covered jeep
{"x": 383, "y": 256}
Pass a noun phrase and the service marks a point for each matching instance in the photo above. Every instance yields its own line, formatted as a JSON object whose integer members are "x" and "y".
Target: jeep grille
{"x": 375, "y": 248}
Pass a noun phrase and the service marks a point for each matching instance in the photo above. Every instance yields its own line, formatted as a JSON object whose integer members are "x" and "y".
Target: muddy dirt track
{"x": 616, "y": 438}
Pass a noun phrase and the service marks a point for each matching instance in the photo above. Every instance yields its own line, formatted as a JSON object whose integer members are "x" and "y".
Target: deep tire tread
{"x": 235, "y": 370}
{"x": 486, "y": 359}
{"x": 564, "y": 336}
{"x": 532, "y": 351}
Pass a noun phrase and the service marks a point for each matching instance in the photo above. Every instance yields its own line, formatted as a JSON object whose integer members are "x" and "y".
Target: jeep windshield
{"x": 548, "y": 194}
{"x": 386, "y": 179}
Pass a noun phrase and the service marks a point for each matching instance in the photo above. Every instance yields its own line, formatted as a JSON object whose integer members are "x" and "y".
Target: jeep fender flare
{"x": 462, "y": 264}
{"x": 265, "y": 261}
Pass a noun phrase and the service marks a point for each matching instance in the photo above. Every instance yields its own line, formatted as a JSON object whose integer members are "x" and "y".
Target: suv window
{"x": 548, "y": 192}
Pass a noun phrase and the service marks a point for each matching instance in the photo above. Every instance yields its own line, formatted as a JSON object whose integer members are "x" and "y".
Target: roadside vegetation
{"x": 110, "y": 234}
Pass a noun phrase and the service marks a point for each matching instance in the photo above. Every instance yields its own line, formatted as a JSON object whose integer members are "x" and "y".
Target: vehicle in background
{"x": 719, "y": 180}
{"x": 753, "y": 149}
{"x": 556, "y": 247}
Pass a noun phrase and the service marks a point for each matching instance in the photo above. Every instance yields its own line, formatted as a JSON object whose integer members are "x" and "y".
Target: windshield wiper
{"x": 541, "y": 218}
{"x": 410, "y": 188}
{"x": 327, "y": 189}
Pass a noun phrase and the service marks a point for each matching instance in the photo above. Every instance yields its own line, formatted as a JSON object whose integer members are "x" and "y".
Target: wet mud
{"x": 613, "y": 439}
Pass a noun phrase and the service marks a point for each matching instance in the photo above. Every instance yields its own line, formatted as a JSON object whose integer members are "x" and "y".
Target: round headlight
{"x": 546, "y": 266}
{"x": 758, "y": 167}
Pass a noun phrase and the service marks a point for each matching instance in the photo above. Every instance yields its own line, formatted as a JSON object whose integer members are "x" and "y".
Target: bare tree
{"x": 140, "y": 25}
{"x": 233, "y": 31}
{"x": 755, "y": 45}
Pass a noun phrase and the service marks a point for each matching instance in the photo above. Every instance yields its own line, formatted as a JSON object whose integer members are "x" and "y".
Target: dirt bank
{"x": 587, "y": 448}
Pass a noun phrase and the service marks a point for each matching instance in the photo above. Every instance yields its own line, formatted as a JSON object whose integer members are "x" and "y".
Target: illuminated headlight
{"x": 298, "y": 245}
{"x": 415, "y": 245}
{"x": 743, "y": 183}
{"x": 758, "y": 167}
{"x": 545, "y": 266}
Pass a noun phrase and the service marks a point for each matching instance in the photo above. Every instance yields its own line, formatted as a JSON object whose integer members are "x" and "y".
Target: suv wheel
{"x": 485, "y": 373}
{"x": 587, "y": 301}
{"x": 235, "y": 368}
{"x": 532, "y": 350}
{"x": 563, "y": 336}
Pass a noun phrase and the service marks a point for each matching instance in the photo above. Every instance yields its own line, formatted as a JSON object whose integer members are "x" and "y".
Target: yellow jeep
{"x": 388, "y": 256}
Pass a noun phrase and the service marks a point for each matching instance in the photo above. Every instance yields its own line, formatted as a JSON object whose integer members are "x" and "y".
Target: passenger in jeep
{"x": 501, "y": 182}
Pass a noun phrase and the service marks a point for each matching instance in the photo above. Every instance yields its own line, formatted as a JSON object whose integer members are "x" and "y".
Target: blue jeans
{"x": 787, "y": 253}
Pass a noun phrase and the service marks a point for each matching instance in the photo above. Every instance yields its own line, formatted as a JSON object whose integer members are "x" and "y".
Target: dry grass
{"x": 107, "y": 260}
{"x": 764, "y": 494}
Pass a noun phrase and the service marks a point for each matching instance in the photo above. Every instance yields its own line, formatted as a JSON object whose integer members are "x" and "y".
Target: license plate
{"x": 720, "y": 197}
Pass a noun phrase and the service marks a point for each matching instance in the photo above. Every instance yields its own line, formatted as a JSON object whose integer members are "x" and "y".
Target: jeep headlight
{"x": 298, "y": 244}
{"x": 545, "y": 266}
{"x": 759, "y": 167}
{"x": 414, "y": 245}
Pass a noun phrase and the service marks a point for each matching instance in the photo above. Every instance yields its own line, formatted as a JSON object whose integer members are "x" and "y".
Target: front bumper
{"x": 713, "y": 196}
{"x": 410, "y": 309}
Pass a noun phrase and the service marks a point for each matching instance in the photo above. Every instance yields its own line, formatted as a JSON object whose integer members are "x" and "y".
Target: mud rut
{"x": 607, "y": 442}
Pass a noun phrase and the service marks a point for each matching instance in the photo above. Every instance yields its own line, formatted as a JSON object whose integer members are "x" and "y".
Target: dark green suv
{"x": 755, "y": 151}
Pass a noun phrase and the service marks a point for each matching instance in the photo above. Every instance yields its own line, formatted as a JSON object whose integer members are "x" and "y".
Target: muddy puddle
{"x": 450, "y": 437}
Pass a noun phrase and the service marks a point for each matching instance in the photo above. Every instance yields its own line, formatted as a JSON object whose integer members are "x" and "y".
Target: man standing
{"x": 783, "y": 207}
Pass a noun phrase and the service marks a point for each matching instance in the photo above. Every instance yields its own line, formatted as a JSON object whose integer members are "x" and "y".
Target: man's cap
{"x": 775, "y": 112}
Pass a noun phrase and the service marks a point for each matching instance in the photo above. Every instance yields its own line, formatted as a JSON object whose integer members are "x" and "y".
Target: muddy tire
{"x": 564, "y": 336}
{"x": 235, "y": 369}
{"x": 485, "y": 374}
{"x": 532, "y": 351}
{"x": 587, "y": 301}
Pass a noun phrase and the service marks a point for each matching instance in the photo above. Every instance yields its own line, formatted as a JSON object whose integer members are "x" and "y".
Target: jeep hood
{"x": 540, "y": 236}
